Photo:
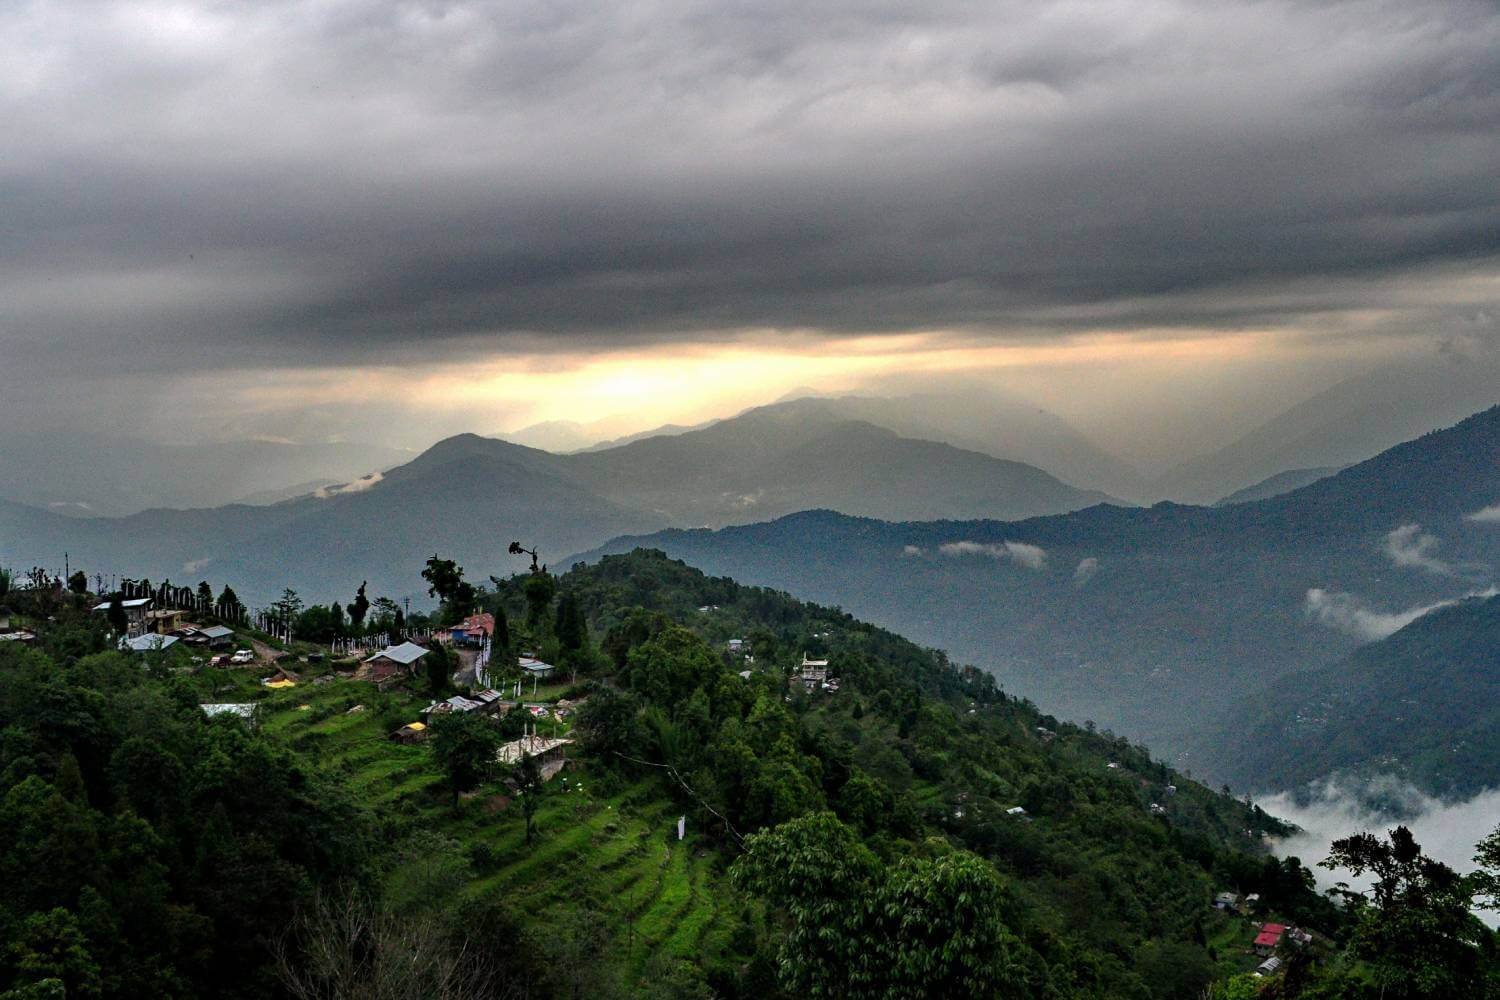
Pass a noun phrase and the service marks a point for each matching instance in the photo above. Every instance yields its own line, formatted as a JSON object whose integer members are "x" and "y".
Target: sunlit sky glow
{"x": 394, "y": 221}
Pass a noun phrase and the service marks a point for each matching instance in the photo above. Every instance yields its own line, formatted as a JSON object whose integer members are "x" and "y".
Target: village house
{"x": 1269, "y": 938}
{"x": 165, "y": 621}
{"x": 1227, "y": 901}
{"x": 147, "y": 642}
{"x": 412, "y": 732}
{"x": 546, "y": 751}
{"x": 537, "y": 668}
{"x": 391, "y": 664}
{"x": 473, "y": 631}
{"x": 814, "y": 676}
{"x": 136, "y": 609}
{"x": 210, "y": 636}
{"x": 21, "y": 636}
{"x": 1268, "y": 967}
{"x": 482, "y": 703}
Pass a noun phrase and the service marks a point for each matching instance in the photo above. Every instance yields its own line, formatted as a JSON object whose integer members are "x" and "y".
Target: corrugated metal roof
{"x": 134, "y": 602}
{"x": 407, "y": 653}
{"x": 147, "y": 643}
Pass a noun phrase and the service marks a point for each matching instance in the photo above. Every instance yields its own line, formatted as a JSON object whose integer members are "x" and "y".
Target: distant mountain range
{"x": 469, "y": 496}
{"x": 1422, "y": 704}
{"x": 1275, "y": 486}
{"x": 974, "y": 419}
{"x": 1153, "y": 621}
{"x": 102, "y": 475}
{"x": 1346, "y": 423}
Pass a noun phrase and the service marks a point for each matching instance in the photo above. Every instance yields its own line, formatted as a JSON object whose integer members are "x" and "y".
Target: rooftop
{"x": 406, "y": 654}
{"x": 147, "y": 643}
{"x": 528, "y": 746}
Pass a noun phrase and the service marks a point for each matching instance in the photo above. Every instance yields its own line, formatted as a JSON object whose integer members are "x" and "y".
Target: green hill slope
{"x": 1422, "y": 704}
{"x": 915, "y": 763}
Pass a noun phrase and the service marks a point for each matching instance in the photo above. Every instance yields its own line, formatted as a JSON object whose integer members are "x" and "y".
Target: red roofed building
{"x": 473, "y": 630}
{"x": 1268, "y": 938}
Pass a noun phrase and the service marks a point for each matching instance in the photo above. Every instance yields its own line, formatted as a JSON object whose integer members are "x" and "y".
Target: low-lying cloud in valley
{"x": 1021, "y": 553}
{"x": 1447, "y": 831}
{"x": 1485, "y": 515}
{"x": 1085, "y": 570}
{"x": 1410, "y": 546}
{"x": 1349, "y": 613}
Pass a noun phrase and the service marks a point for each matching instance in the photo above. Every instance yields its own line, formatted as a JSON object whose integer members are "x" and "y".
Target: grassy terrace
{"x": 617, "y": 851}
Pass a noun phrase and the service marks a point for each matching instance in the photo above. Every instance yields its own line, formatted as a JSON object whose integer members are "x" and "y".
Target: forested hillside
{"x": 153, "y": 851}
{"x": 1422, "y": 704}
{"x": 1156, "y": 621}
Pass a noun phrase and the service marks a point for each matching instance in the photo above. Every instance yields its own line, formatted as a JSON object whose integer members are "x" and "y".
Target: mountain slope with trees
{"x": 1153, "y": 620}
{"x": 915, "y": 832}
{"x": 1422, "y": 704}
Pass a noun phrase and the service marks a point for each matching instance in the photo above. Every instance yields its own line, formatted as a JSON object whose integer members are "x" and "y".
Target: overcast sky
{"x": 260, "y": 217}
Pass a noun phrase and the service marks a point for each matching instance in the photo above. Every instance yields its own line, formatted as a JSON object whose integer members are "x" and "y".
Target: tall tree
{"x": 464, "y": 747}
{"x": 539, "y": 589}
{"x": 440, "y": 664}
{"x": 205, "y": 595}
{"x": 1415, "y": 929}
{"x": 78, "y": 582}
{"x": 115, "y": 615}
{"x": 443, "y": 577}
{"x": 529, "y": 788}
{"x": 229, "y": 602}
{"x": 501, "y": 638}
{"x": 359, "y": 607}
{"x": 861, "y": 929}
{"x": 570, "y": 628}
{"x": 287, "y": 608}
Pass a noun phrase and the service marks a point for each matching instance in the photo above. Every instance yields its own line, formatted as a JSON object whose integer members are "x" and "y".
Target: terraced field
{"x": 619, "y": 852}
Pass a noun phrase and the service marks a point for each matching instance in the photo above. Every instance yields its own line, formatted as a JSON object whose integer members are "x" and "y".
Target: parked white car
{"x": 243, "y": 656}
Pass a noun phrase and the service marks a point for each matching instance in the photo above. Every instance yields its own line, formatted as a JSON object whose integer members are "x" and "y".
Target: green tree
{"x": 288, "y": 607}
{"x": 820, "y": 875}
{"x": 539, "y": 589}
{"x": 501, "y": 639}
{"x": 6, "y": 578}
{"x": 50, "y": 946}
{"x": 1415, "y": 929}
{"x": 229, "y": 602}
{"x": 443, "y": 577}
{"x": 1486, "y": 881}
{"x": 205, "y": 594}
{"x": 441, "y": 663}
{"x": 78, "y": 582}
{"x": 666, "y": 668}
{"x": 359, "y": 607}
{"x": 115, "y": 614}
{"x": 571, "y": 629}
{"x": 529, "y": 788}
{"x": 859, "y": 929}
{"x": 446, "y": 582}
{"x": 464, "y": 747}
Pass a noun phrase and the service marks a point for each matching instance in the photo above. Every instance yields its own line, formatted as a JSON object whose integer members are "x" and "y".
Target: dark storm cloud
{"x": 358, "y": 182}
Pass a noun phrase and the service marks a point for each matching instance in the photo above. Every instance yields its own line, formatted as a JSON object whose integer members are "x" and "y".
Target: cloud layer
{"x": 1020, "y": 553}
{"x": 194, "y": 187}
{"x": 1447, "y": 831}
{"x": 1350, "y": 614}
